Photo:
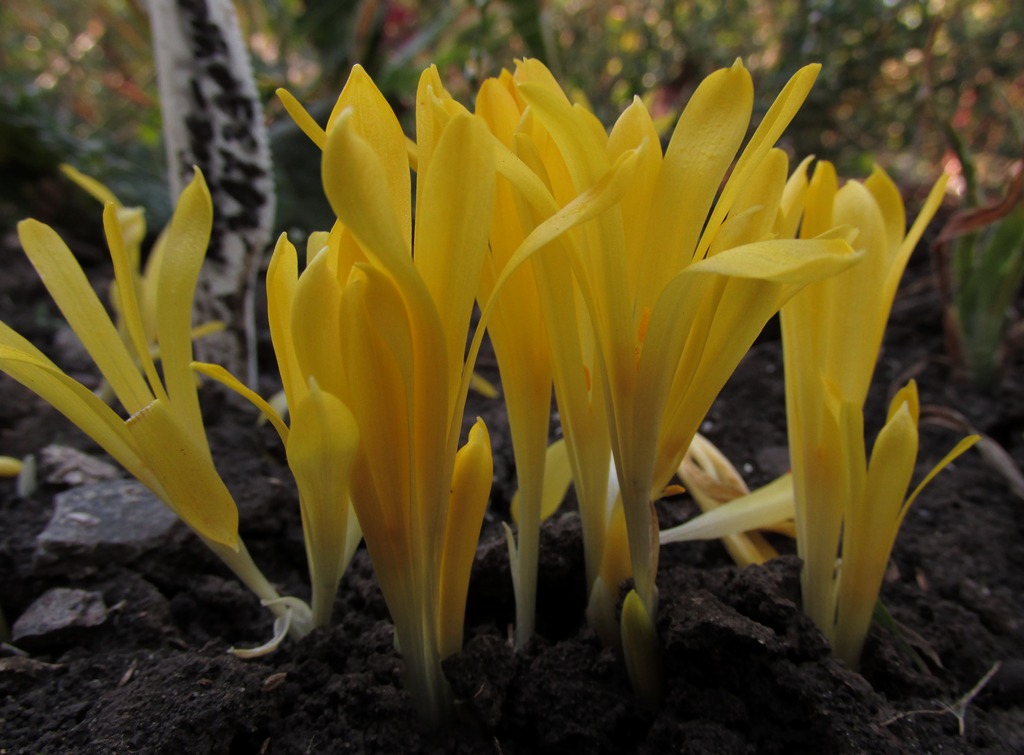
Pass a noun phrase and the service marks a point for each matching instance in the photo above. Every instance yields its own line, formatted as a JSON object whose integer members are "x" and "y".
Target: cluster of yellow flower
{"x": 628, "y": 279}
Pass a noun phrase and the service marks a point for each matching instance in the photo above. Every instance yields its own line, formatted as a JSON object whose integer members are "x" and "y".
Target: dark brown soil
{"x": 745, "y": 671}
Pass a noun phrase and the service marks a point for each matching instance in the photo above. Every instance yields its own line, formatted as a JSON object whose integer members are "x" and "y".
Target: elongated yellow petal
{"x": 633, "y": 128}
{"x": 313, "y": 334}
{"x": 703, "y": 146}
{"x": 380, "y": 398}
{"x": 76, "y": 402}
{"x": 181, "y": 463}
{"x": 302, "y": 118}
{"x": 149, "y": 286}
{"x": 282, "y": 280}
{"x": 452, "y": 227}
{"x": 858, "y": 322}
{"x": 370, "y": 116}
{"x": 187, "y": 240}
{"x": 763, "y": 273}
{"x": 84, "y": 312}
{"x": 222, "y": 376}
{"x": 765, "y": 507}
{"x": 767, "y": 134}
{"x": 321, "y": 450}
{"x": 435, "y": 108}
{"x": 131, "y": 315}
{"x": 890, "y": 202}
{"x": 363, "y": 206}
{"x": 97, "y": 190}
{"x": 471, "y": 485}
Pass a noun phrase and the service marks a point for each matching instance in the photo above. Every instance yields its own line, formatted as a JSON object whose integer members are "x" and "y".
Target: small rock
{"x": 773, "y": 460}
{"x": 95, "y": 524}
{"x": 58, "y": 616}
{"x": 63, "y": 465}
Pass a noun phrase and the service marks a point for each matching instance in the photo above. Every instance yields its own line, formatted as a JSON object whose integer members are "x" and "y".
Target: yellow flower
{"x": 665, "y": 292}
{"x": 832, "y": 331}
{"x": 163, "y": 441}
{"x": 132, "y": 221}
{"x": 519, "y": 337}
{"x": 381, "y": 325}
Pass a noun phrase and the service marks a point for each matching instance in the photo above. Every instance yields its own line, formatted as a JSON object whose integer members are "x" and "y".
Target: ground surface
{"x": 745, "y": 672}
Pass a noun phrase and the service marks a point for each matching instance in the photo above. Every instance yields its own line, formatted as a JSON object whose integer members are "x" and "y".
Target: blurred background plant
{"x": 77, "y": 81}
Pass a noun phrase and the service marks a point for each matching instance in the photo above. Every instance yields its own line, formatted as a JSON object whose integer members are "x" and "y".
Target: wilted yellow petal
{"x": 765, "y": 507}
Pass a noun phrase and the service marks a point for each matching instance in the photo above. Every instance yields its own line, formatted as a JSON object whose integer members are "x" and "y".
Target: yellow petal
{"x": 702, "y": 148}
{"x": 641, "y": 650}
{"x": 768, "y": 132}
{"x": 222, "y": 376}
{"x": 357, "y": 185}
{"x": 765, "y": 507}
{"x": 76, "y": 402}
{"x": 890, "y": 202}
{"x": 125, "y": 290}
{"x": 314, "y": 335}
{"x": 282, "y": 280}
{"x": 379, "y": 396}
{"x": 321, "y": 450}
{"x": 187, "y": 240}
{"x": 470, "y": 487}
{"x": 452, "y": 225}
{"x": 10, "y": 467}
{"x": 95, "y": 189}
{"x": 370, "y": 116}
{"x": 181, "y": 463}
{"x": 302, "y": 118}
{"x": 84, "y": 312}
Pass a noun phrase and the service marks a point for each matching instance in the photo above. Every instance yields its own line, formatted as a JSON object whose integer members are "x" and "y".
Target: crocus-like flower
{"x": 832, "y": 331}
{"x": 163, "y": 442}
{"x": 383, "y": 328}
{"x": 668, "y": 290}
{"x": 519, "y": 337}
{"x": 132, "y": 221}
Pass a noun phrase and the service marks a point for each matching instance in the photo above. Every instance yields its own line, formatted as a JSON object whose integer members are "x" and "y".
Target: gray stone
{"x": 63, "y": 465}
{"x": 773, "y": 460}
{"x": 108, "y": 521}
{"x": 58, "y": 616}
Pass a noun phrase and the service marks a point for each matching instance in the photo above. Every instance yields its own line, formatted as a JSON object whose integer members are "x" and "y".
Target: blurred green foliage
{"x": 77, "y": 81}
